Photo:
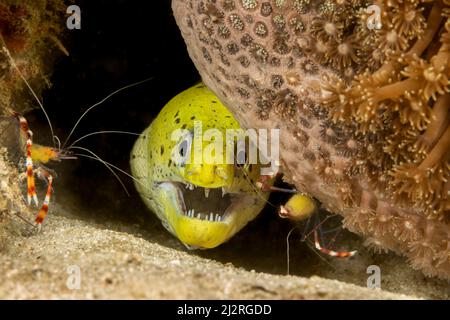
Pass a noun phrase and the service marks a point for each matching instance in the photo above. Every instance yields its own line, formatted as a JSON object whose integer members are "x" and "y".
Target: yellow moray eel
{"x": 203, "y": 204}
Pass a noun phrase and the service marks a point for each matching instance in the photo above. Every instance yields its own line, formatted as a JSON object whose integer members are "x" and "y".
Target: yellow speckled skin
{"x": 152, "y": 166}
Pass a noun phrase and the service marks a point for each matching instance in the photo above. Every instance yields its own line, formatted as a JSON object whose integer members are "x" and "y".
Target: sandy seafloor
{"x": 118, "y": 261}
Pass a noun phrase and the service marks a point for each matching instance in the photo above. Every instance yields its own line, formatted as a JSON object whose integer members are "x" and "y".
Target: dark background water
{"x": 120, "y": 42}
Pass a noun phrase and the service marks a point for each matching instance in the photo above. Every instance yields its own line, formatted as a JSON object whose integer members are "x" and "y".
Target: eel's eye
{"x": 184, "y": 147}
{"x": 182, "y": 150}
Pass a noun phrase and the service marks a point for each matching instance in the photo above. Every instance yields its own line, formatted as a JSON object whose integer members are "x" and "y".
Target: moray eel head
{"x": 203, "y": 209}
{"x": 201, "y": 202}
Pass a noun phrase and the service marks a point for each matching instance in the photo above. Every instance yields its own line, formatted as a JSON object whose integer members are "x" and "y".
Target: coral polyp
{"x": 376, "y": 147}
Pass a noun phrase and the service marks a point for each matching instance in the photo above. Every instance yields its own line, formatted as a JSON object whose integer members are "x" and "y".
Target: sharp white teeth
{"x": 223, "y": 192}
{"x": 190, "y": 186}
{"x": 203, "y": 216}
{"x": 206, "y": 192}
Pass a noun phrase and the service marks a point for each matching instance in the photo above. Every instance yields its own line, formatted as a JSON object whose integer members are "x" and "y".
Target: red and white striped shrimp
{"x": 298, "y": 208}
{"x": 37, "y": 155}
{"x": 44, "y": 209}
{"x": 337, "y": 254}
{"x": 301, "y": 207}
{"x": 31, "y": 191}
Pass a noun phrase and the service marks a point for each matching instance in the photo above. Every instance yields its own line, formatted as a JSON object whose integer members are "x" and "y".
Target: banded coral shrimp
{"x": 317, "y": 227}
{"x": 17, "y": 135}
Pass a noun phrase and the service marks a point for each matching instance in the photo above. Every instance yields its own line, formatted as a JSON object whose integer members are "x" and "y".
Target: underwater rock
{"x": 29, "y": 35}
{"x": 362, "y": 102}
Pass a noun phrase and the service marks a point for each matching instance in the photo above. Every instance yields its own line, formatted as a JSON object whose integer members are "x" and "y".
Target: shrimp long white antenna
{"x": 106, "y": 164}
{"x": 115, "y": 167}
{"x": 293, "y": 191}
{"x": 318, "y": 225}
{"x": 58, "y": 141}
{"x": 288, "y": 256}
{"x": 102, "y": 132}
{"x": 257, "y": 190}
{"x": 100, "y": 102}
{"x": 14, "y": 65}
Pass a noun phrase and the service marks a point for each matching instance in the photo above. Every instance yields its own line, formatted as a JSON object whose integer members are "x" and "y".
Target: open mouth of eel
{"x": 207, "y": 217}
{"x": 215, "y": 205}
